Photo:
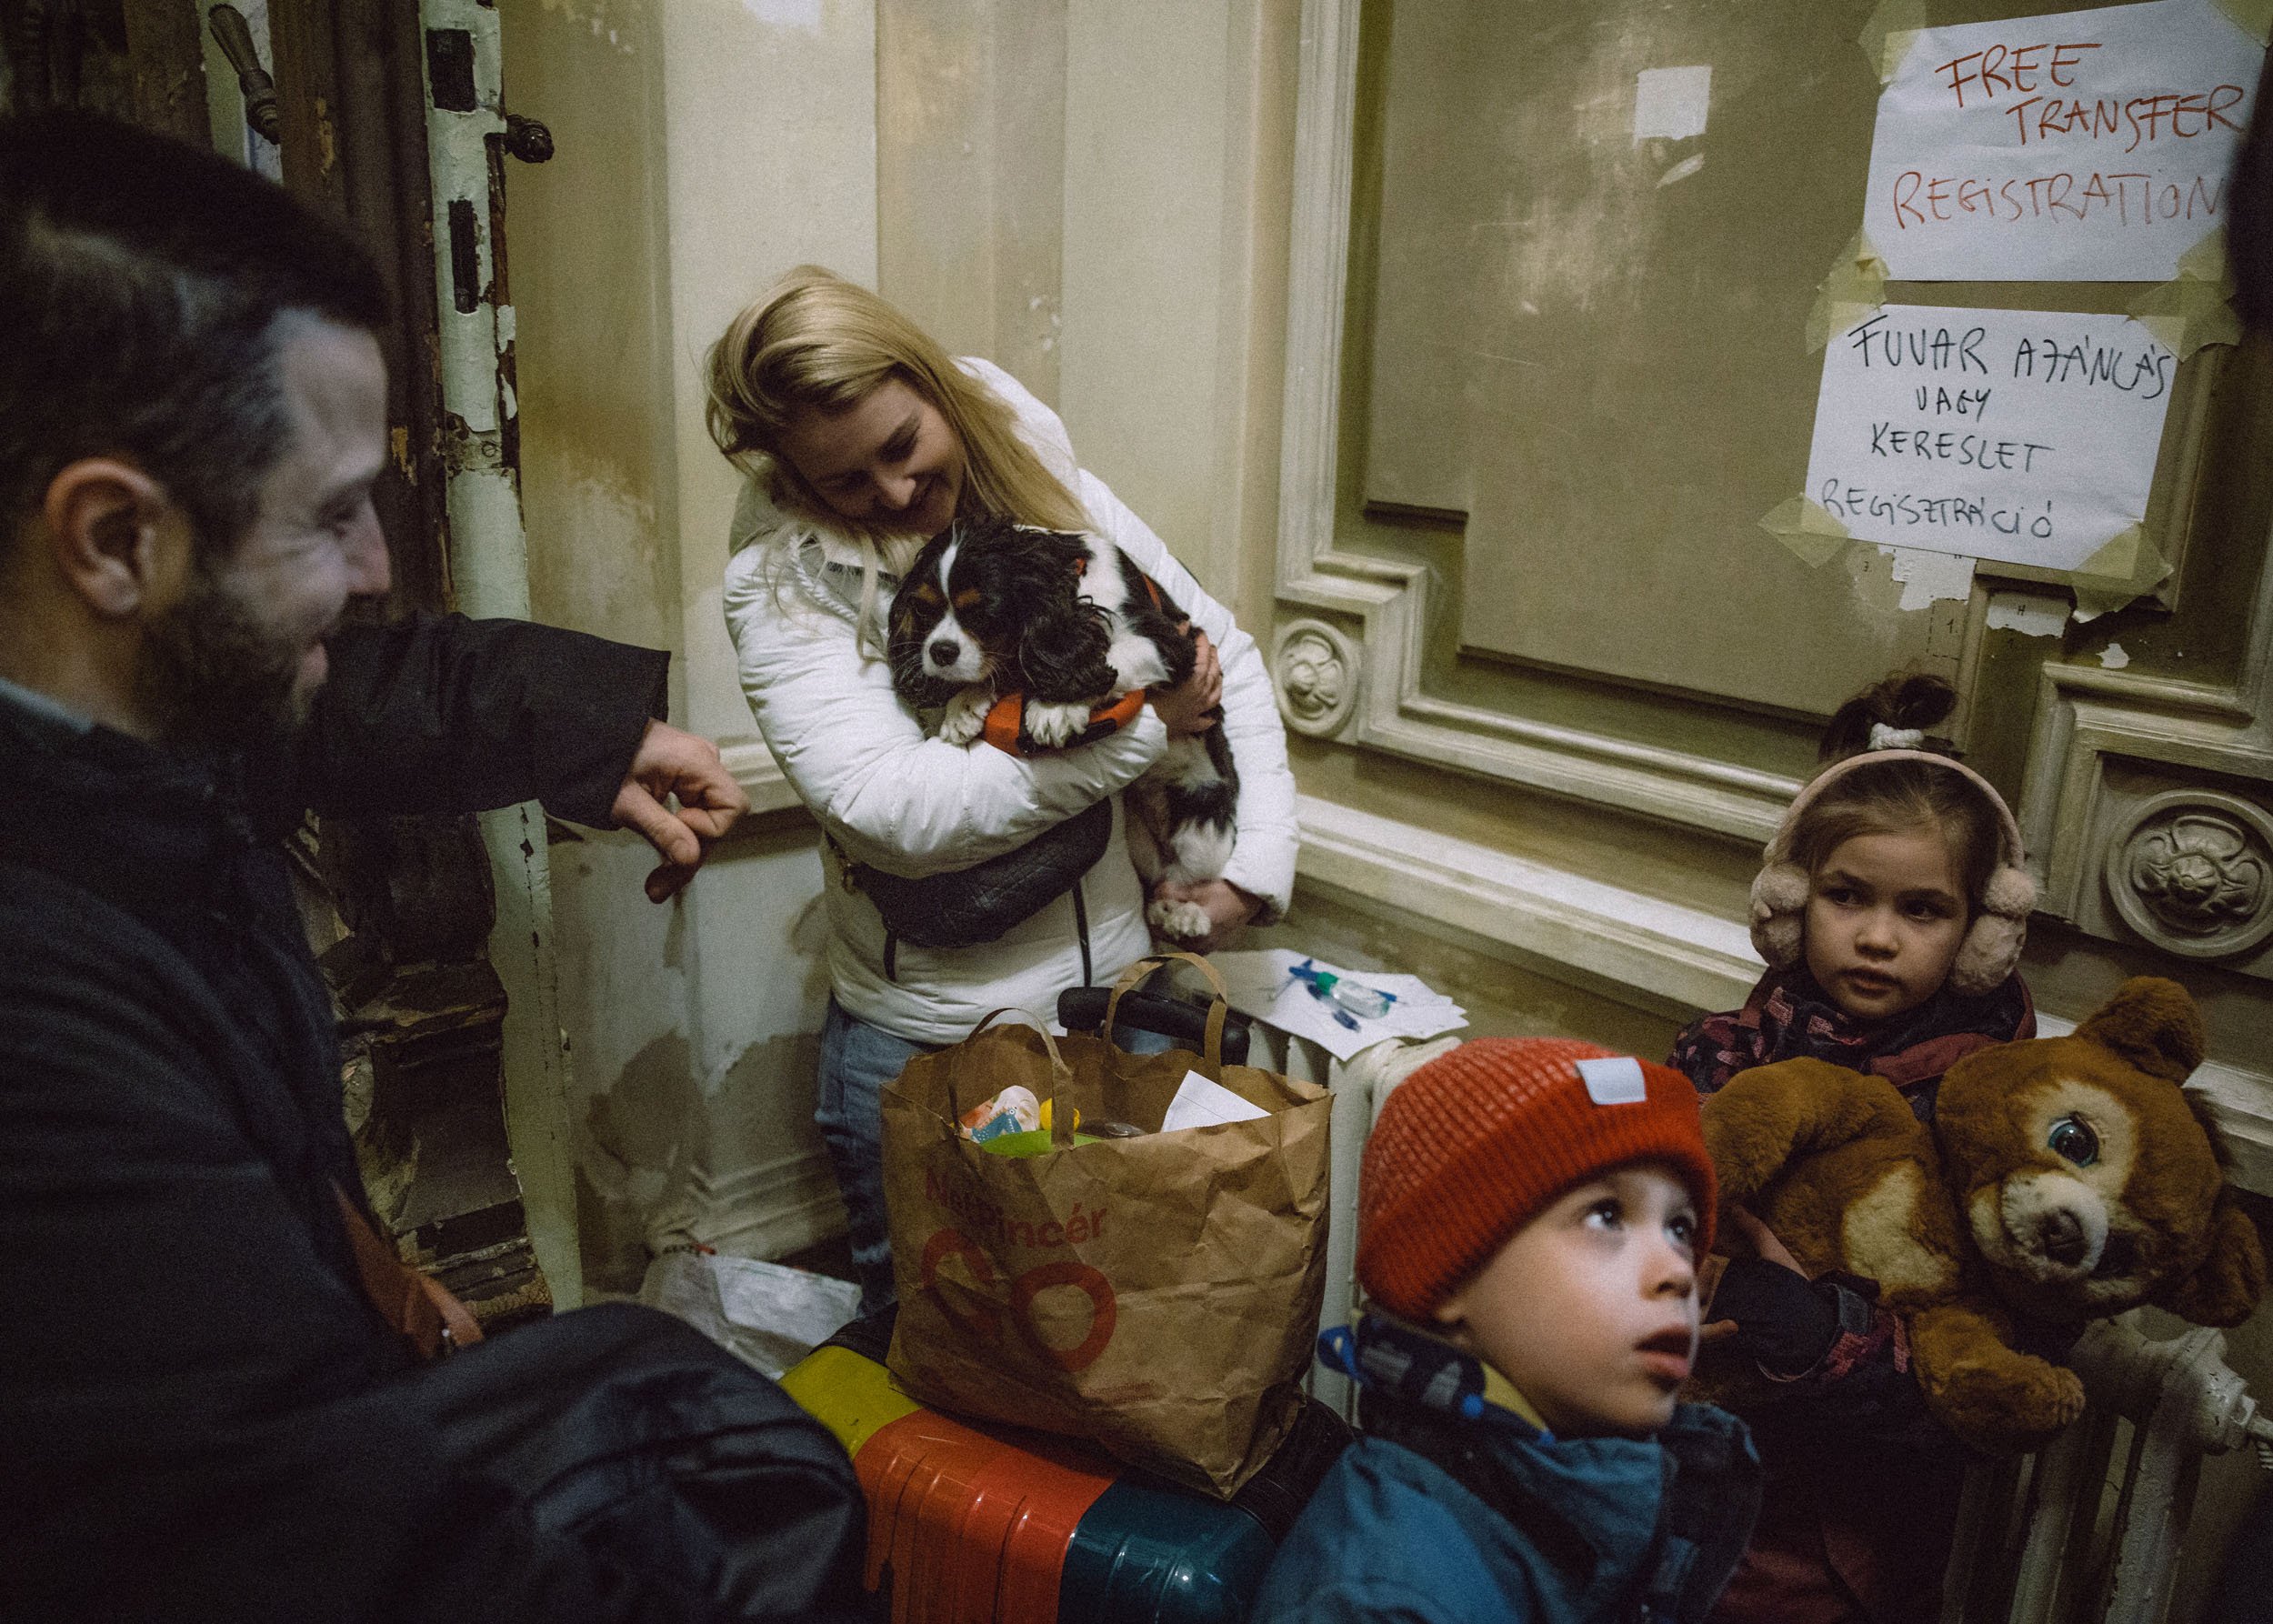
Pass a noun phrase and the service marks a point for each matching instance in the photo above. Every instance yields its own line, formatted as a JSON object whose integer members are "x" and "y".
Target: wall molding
{"x": 771, "y": 1209}
{"x": 1390, "y": 601}
{"x": 1674, "y": 960}
{"x": 1661, "y": 955}
{"x": 752, "y": 764}
{"x": 2111, "y": 749}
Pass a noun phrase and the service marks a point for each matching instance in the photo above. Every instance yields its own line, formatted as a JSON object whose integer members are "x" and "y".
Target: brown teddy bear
{"x": 2064, "y": 1179}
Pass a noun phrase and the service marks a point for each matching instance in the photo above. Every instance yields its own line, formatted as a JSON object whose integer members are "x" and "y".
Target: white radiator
{"x": 1358, "y": 1085}
{"x": 2087, "y": 1531}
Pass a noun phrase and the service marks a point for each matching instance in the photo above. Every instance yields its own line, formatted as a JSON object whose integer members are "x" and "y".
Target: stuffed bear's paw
{"x": 965, "y": 718}
{"x": 1179, "y": 921}
{"x": 2017, "y": 1405}
{"x": 1053, "y": 722}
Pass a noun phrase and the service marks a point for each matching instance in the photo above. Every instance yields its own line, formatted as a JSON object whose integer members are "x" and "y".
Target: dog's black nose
{"x": 945, "y": 652}
{"x": 2062, "y": 1238}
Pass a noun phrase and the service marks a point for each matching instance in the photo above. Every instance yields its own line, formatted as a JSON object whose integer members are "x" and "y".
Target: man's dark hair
{"x": 140, "y": 283}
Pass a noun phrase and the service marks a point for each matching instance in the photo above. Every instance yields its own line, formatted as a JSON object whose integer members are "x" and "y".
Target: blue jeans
{"x": 856, "y": 1061}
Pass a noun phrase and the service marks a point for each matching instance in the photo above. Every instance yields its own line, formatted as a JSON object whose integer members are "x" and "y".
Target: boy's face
{"x": 1590, "y": 1308}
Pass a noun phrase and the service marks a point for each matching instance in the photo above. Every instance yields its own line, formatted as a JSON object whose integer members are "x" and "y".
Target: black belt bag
{"x": 976, "y": 905}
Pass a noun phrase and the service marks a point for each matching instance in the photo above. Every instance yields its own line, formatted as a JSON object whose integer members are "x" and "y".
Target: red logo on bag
{"x": 1103, "y": 1311}
{"x": 946, "y": 1243}
{"x": 985, "y": 1325}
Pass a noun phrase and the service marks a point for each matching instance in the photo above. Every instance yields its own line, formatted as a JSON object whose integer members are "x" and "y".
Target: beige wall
{"x": 970, "y": 176}
{"x": 703, "y": 147}
{"x": 1093, "y": 195}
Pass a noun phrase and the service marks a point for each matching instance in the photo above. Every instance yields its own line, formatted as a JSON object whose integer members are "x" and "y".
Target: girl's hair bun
{"x": 1915, "y": 701}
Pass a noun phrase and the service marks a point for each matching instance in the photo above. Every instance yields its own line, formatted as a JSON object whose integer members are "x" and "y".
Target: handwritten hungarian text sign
{"x": 2089, "y": 146}
{"x": 2025, "y": 437}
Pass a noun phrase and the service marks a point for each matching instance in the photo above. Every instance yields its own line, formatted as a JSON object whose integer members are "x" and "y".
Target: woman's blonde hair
{"x": 814, "y": 342}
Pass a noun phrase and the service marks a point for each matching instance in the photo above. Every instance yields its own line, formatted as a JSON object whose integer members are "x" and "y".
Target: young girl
{"x": 861, "y": 439}
{"x": 1891, "y": 912}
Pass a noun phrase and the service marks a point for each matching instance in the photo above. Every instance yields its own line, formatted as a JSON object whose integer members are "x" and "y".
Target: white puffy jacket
{"x": 891, "y": 797}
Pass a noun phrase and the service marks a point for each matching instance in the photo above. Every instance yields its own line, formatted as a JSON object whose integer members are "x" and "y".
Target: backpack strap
{"x": 421, "y": 1308}
{"x": 1081, "y": 928}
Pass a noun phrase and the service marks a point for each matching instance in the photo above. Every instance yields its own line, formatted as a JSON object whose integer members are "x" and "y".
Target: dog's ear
{"x": 2231, "y": 1282}
{"x": 1071, "y": 549}
{"x": 1063, "y": 650}
{"x": 1051, "y": 560}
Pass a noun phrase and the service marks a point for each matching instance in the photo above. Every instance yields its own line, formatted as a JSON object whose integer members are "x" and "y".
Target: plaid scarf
{"x": 1788, "y": 1015}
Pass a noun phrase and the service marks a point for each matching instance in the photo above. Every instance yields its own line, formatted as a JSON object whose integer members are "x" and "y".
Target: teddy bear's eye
{"x": 2071, "y": 1139}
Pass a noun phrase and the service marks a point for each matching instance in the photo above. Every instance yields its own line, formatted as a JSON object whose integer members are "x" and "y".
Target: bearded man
{"x": 206, "y": 1407}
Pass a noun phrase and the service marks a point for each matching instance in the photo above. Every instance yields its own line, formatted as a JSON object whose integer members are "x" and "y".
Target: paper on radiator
{"x": 1261, "y": 983}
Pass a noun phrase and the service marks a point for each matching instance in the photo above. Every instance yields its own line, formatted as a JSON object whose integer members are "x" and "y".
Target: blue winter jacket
{"x": 1514, "y": 1527}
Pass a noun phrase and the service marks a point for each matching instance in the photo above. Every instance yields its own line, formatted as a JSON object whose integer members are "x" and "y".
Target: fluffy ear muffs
{"x": 1991, "y": 947}
{"x": 1992, "y": 943}
{"x": 1780, "y": 904}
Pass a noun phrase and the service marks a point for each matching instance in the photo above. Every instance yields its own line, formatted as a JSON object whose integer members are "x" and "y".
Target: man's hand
{"x": 670, "y": 763}
{"x": 1228, "y": 908}
{"x": 1185, "y": 706}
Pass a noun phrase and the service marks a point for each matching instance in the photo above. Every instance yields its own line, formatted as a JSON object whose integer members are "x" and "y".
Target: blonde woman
{"x": 861, "y": 438}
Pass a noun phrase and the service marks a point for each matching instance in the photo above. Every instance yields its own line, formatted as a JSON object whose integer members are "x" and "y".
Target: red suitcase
{"x": 970, "y": 1524}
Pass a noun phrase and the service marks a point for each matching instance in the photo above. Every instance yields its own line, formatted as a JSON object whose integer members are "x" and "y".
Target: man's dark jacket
{"x": 200, "y": 1413}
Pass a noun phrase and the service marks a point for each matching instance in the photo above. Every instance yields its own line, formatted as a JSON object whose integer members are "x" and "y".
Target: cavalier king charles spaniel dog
{"x": 1070, "y": 622}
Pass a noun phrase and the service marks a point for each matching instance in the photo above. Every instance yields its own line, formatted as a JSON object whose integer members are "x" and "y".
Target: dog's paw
{"x": 1179, "y": 921}
{"x": 1053, "y": 722}
{"x": 965, "y": 718}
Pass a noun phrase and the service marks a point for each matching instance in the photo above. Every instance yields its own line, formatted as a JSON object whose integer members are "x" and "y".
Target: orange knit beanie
{"x": 1476, "y": 1143}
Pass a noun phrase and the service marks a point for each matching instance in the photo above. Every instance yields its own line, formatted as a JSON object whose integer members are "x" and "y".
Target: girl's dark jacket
{"x": 200, "y": 1414}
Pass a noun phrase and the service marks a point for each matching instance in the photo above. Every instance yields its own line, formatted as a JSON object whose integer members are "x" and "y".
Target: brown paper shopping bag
{"x": 1158, "y": 1295}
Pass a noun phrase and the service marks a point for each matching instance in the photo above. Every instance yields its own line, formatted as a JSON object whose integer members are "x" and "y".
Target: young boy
{"x": 1540, "y": 1207}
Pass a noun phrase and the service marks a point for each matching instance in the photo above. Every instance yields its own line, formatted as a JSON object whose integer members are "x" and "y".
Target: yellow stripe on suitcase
{"x": 852, "y": 1396}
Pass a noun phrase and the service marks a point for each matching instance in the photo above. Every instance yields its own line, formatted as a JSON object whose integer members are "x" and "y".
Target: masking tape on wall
{"x": 2194, "y": 308}
{"x": 1855, "y": 287}
{"x": 2253, "y": 17}
{"x": 1807, "y": 528}
{"x": 1885, "y": 38}
{"x": 2128, "y": 567}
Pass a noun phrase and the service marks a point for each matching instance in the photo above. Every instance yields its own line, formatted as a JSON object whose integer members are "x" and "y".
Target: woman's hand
{"x": 1185, "y": 708}
{"x": 1226, "y": 906}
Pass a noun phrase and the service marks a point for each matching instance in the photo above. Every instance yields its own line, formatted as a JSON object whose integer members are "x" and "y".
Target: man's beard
{"x": 214, "y": 676}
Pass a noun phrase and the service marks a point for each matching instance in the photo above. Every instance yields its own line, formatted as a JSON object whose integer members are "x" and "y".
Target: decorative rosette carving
{"x": 1315, "y": 667}
{"x": 2193, "y": 873}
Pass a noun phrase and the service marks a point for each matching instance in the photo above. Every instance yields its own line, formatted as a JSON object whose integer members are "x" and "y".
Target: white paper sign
{"x": 2086, "y": 145}
{"x": 2026, "y": 436}
{"x": 1670, "y": 103}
